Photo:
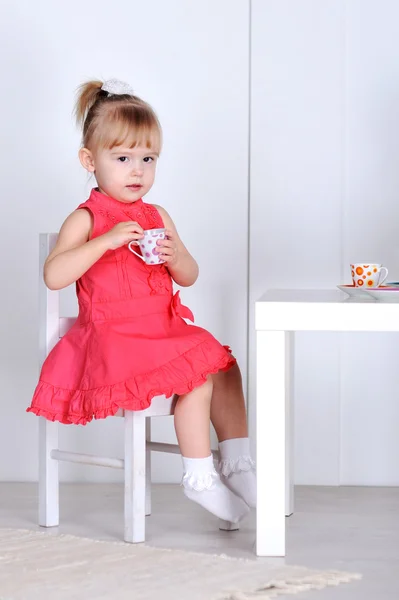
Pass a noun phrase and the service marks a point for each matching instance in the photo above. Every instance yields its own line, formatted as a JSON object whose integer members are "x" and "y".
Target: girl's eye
{"x": 148, "y": 159}
{"x": 123, "y": 159}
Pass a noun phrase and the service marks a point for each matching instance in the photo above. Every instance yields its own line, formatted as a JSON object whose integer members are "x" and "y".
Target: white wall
{"x": 190, "y": 60}
{"x": 324, "y": 193}
{"x": 369, "y": 371}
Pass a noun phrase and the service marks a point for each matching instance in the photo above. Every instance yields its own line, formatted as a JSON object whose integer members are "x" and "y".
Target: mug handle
{"x": 381, "y": 281}
{"x": 139, "y": 255}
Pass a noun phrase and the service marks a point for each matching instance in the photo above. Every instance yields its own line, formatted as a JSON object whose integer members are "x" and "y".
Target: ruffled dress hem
{"x": 57, "y": 404}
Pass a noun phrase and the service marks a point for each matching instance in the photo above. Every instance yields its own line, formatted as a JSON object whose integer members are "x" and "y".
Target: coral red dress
{"x": 130, "y": 341}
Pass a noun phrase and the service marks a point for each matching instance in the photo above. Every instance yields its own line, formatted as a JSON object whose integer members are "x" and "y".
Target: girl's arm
{"x": 181, "y": 265}
{"x": 74, "y": 253}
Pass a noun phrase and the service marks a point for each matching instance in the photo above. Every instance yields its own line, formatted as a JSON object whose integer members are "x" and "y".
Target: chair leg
{"x": 227, "y": 526}
{"x": 135, "y": 451}
{"x": 48, "y": 474}
{"x": 148, "y": 469}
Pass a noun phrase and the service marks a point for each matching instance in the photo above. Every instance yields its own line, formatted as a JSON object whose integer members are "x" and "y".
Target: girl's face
{"x": 125, "y": 174}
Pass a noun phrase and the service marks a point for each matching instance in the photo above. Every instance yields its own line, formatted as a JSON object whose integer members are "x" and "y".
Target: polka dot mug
{"x": 368, "y": 275}
{"x": 148, "y": 246}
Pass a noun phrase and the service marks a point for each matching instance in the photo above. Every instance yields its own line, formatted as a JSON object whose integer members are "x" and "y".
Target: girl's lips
{"x": 135, "y": 186}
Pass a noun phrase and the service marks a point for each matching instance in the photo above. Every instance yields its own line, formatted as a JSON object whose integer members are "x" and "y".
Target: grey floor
{"x": 353, "y": 529}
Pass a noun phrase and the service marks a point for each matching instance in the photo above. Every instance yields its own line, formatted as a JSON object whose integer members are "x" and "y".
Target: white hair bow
{"x": 117, "y": 87}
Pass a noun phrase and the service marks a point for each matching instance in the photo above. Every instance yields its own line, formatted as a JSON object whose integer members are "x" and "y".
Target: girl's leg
{"x": 228, "y": 413}
{"x": 229, "y": 419}
{"x": 192, "y": 416}
{"x": 201, "y": 482}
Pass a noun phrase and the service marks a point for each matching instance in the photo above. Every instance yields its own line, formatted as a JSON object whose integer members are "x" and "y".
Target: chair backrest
{"x": 51, "y": 326}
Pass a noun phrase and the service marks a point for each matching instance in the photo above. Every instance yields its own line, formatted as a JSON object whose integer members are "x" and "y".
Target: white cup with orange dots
{"x": 368, "y": 275}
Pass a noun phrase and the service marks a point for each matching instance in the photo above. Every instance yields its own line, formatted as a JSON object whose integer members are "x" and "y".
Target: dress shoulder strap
{"x": 102, "y": 222}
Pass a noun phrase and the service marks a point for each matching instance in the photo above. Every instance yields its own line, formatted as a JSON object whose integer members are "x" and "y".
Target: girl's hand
{"x": 167, "y": 248}
{"x": 122, "y": 234}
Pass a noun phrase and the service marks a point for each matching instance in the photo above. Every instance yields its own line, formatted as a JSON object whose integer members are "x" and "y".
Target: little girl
{"x": 130, "y": 342}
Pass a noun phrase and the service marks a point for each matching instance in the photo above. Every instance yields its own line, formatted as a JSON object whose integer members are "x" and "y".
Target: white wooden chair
{"x": 138, "y": 445}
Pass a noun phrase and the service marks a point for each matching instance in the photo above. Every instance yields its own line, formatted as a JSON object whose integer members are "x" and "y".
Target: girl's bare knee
{"x": 208, "y": 385}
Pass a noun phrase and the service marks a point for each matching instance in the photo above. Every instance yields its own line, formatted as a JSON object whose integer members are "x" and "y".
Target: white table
{"x": 278, "y": 314}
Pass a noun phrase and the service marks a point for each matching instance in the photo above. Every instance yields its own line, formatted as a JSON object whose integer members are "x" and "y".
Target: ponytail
{"x": 87, "y": 95}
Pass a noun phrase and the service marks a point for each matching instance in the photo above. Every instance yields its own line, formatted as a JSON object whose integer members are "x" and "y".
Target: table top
{"x": 324, "y": 310}
{"x": 331, "y": 296}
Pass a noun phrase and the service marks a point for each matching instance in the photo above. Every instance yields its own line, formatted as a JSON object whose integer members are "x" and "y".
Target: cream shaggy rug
{"x": 40, "y": 566}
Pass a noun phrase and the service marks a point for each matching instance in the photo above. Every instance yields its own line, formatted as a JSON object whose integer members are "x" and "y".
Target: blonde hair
{"x": 115, "y": 120}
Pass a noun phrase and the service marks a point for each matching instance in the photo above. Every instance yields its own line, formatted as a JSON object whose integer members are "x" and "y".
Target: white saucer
{"x": 354, "y": 291}
{"x": 384, "y": 294}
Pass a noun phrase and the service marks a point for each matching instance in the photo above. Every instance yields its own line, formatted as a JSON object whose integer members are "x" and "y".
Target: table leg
{"x": 289, "y": 422}
{"x": 270, "y": 442}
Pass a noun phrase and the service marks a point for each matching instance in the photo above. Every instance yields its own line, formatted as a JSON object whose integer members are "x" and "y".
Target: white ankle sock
{"x": 237, "y": 469}
{"x": 202, "y": 484}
